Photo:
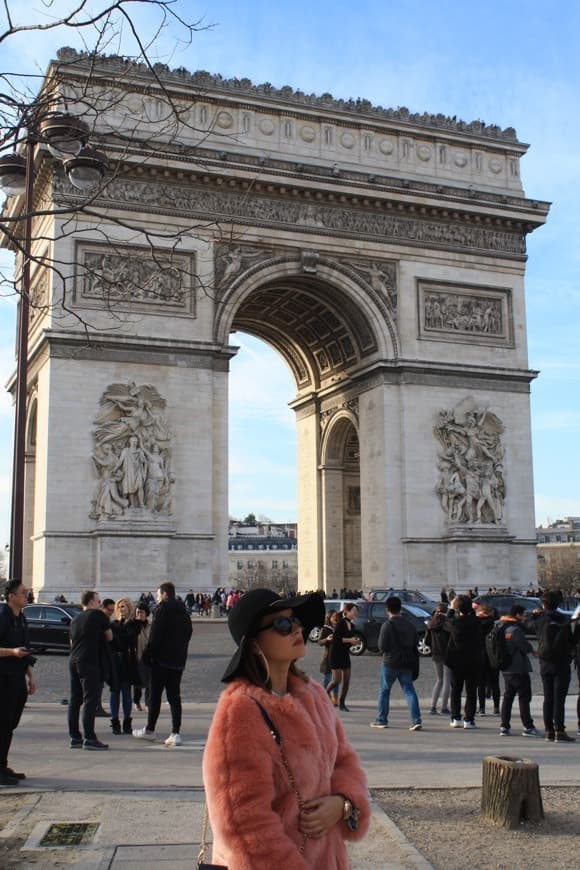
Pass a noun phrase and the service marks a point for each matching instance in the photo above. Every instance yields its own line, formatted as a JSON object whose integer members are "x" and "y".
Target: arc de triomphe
{"x": 380, "y": 253}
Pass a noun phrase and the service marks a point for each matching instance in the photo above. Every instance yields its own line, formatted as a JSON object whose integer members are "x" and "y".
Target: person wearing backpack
{"x": 516, "y": 671}
{"x": 554, "y": 652}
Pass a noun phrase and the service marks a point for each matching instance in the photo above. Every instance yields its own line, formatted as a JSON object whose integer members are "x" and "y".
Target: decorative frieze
{"x": 357, "y": 221}
{"x": 126, "y": 277}
{"x": 131, "y": 455}
{"x": 452, "y": 312}
{"x": 471, "y": 486}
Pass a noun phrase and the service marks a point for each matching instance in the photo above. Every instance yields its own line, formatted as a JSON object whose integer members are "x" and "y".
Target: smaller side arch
{"x": 341, "y": 503}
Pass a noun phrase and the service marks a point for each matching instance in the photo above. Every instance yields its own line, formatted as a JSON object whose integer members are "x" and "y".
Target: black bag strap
{"x": 269, "y": 724}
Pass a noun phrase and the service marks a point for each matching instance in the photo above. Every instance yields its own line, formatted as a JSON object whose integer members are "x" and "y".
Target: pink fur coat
{"x": 252, "y": 807}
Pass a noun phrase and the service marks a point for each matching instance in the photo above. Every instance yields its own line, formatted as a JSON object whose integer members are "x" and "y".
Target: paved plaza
{"x": 148, "y": 800}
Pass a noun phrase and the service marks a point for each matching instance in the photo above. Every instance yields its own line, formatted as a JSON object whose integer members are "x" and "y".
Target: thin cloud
{"x": 557, "y": 421}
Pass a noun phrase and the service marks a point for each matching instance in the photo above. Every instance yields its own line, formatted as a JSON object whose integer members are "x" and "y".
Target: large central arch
{"x": 381, "y": 254}
{"x": 329, "y": 330}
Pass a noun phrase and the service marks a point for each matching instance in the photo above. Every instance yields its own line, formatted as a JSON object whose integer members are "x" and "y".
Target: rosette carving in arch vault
{"x": 298, "y": 302}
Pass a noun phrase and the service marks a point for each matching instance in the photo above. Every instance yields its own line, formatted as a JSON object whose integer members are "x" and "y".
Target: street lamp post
{"x": 65, "y": 136}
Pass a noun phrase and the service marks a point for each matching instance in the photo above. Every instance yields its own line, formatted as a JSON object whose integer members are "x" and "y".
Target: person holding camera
{"x": 16, "y": 677}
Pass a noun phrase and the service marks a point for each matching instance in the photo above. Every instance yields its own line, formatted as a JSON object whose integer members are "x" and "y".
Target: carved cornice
{"x": 135, "y": 349}
{"x": 358, "y": 217}
{"x": 438, "y": 191}
{"x": 115, "y": 66}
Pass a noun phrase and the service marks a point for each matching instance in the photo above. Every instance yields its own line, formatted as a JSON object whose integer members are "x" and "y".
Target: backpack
{"x": 554, "y": 641}
{"x": 496, "y": 647}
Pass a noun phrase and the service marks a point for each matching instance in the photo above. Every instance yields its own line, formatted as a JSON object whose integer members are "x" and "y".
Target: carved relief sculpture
{"x": 470, "y": 314}
{"x": 167, "y": 198}
{"x": 382, "y": 276}
{"x": 132, "y": 453}
{"x": 471, "y": 485}
{"x": 129, "y": 276}
{"x": 232, "y": 261}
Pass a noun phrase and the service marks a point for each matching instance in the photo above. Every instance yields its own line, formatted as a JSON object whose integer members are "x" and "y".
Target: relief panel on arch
{"x": 464, "y": 313}
{"x": 126, "y": 277}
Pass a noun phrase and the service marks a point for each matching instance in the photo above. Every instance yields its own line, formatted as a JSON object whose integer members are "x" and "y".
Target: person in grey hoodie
{"x": 516, "y": 676}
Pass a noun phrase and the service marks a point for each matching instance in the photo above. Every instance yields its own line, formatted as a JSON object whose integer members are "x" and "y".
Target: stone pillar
{"x": 381, "y": 490}
{"x": 310, "y": 555}
{"x": 333, "y": 527}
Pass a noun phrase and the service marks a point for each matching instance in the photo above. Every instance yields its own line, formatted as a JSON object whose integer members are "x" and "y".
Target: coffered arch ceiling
{"x": 319, "y": 331}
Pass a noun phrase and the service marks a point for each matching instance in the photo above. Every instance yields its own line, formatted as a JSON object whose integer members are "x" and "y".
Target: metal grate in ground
{"x": 69, "y": 834}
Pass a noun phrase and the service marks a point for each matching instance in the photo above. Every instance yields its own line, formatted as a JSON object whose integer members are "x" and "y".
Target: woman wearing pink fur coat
{"x": 284, "y": 786}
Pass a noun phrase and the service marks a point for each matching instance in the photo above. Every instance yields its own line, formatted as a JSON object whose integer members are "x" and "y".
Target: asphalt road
{"x": 209, "y": 652}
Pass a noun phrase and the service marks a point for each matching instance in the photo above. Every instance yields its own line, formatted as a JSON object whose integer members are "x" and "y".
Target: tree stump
{"x": 510, "y": 791}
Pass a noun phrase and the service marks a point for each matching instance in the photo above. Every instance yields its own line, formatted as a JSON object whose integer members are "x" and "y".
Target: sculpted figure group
{"x": 471, "y": 486}
{"x": 454, "y": 312}
{"x": 131, "y": 453}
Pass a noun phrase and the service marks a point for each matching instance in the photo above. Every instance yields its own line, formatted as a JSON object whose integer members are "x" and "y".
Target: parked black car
{"x": 371, "y": 615}
{"x": 501, "y": 602}
{"x": 407, "y": 596}
{"x": 49, "y": 624}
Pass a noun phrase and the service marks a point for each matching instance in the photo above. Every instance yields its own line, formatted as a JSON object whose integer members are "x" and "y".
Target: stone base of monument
{"x": 510, "y": 791}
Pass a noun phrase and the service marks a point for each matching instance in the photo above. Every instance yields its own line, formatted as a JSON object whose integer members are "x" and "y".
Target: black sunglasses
{"x": 283, "y": 625}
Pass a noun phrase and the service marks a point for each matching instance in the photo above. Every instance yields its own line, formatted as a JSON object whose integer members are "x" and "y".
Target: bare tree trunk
{"x": 511, "y": 791}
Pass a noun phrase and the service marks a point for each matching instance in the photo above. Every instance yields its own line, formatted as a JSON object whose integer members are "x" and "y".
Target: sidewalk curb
{"x": 412, "y": 855}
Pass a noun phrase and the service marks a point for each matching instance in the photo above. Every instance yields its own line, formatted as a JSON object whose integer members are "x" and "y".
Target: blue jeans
{"x": 405, "y": 678}
{"x": 123, "y": 694}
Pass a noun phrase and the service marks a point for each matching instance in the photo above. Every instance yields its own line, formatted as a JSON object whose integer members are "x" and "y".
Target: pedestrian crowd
{"x": 470, "y": 649}
{"x": 269, "y": 802}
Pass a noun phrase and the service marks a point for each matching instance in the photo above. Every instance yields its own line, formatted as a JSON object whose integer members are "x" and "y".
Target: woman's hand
{"x": 31, "y": 682}
{"x": 320, "y": 814}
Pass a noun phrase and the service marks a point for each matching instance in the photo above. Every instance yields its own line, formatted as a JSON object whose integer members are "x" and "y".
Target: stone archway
{"x": 330, "y": 328}
{"x": 381, "y": 253}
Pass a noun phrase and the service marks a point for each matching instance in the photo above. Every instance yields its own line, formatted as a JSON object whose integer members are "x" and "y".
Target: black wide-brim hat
{"x": 245, "y": 615}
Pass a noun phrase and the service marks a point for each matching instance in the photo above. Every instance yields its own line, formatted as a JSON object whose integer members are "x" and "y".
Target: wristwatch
{"x": 350, "y": 813}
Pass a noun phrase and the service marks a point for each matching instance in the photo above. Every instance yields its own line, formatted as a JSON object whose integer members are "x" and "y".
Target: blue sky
{"x": 513, "y": 64}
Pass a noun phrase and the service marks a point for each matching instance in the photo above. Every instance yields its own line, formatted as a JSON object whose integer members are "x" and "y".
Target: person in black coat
{"x": 166, "y": 654}
{"x": 16, "y": 677}
{"x": 576, "y": 644}
{"x": 464, "y": 656}
{"x": 124, "y": 665}
{"x": 517, "y": 672}
{"x": 339, "y": 655}
{"x": 555, "y": 671}
{"x": 489, "y": 681}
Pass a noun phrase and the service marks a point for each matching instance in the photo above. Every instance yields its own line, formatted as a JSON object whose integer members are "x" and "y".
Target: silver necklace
{"x": 278, "y": 694}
